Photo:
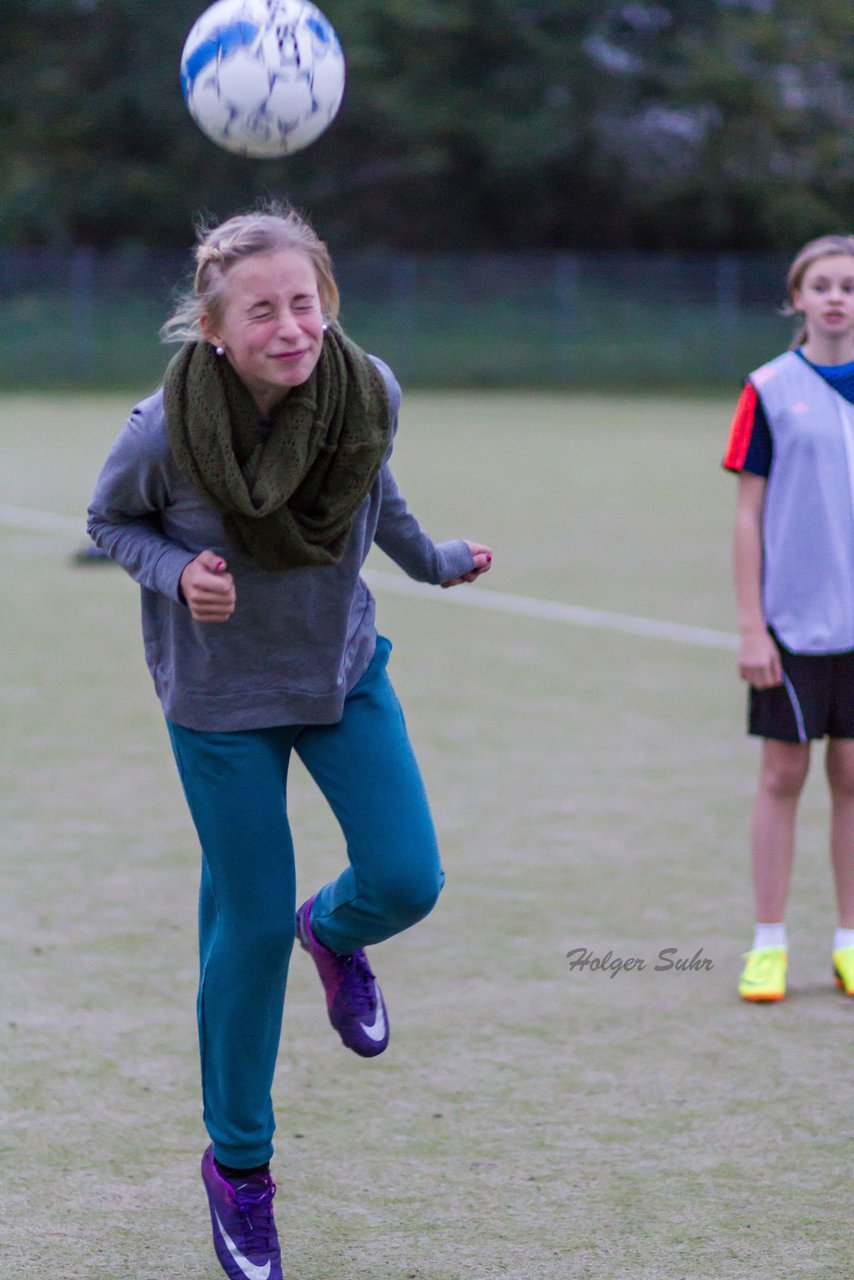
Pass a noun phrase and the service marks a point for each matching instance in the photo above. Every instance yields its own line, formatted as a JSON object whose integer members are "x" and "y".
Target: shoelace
{"x": 255, "y": 1204}
{"x": 362, "y": 979}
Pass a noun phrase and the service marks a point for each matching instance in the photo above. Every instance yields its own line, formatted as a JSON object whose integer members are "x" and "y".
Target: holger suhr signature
{"x": 668, "y": 958}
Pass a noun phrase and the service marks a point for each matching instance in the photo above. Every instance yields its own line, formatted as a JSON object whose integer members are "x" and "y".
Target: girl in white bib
{"x": 792, "y": 444}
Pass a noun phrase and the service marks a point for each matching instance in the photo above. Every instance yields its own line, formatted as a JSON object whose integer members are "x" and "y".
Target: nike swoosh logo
{"x": 761, "y": 981}
{"x": 376, "y": 1031}
{"x": 248, "y": 1268}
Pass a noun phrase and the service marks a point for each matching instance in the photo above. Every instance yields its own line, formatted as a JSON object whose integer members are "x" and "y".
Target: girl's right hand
{"x": 208, "y": 588}
{"x": 759, "y": 661}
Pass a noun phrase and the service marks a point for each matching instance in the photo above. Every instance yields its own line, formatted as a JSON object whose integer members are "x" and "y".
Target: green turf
{"x": 591, "y": 789}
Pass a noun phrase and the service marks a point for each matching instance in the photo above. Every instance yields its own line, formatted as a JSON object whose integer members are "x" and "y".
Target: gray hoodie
{"x": 299, "y": 639}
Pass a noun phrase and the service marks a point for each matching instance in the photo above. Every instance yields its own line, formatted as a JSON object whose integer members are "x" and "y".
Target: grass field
{"x": 591, "y": 789}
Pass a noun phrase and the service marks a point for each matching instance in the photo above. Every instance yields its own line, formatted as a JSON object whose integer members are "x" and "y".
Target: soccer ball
{"x": 262, "y": 78}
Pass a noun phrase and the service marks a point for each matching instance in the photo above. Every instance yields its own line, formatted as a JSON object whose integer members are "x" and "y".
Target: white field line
{"x": 478, "y": 597}
{"x": 41, "y": 521}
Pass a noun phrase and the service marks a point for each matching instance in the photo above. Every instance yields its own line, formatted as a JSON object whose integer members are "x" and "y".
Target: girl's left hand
{"x": 482, "y": 557}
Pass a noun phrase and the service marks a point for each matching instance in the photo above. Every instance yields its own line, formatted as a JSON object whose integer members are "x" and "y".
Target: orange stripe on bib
{"x": 741, "y": 429}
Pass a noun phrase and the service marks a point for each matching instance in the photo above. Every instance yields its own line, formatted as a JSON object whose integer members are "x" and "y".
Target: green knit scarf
{"x": 287, "y": 501}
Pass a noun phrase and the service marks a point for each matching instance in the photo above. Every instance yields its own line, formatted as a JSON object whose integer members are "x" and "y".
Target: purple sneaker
{"x": 353, "y": 996}
{"x": 244, "y": 1231}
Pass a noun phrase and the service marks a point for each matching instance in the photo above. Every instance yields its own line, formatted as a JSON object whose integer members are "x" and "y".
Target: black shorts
{"x": 815, "y": 700}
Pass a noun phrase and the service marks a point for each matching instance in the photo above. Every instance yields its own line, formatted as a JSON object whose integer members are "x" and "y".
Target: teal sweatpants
{"x": 236, "y": 784}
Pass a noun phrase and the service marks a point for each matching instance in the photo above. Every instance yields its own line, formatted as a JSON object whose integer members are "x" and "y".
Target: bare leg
{"x": 781, "y": 779}
{"x": 839, "y": 763}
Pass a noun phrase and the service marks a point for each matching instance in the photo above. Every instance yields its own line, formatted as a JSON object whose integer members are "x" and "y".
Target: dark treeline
{"x": 685, "y": 124}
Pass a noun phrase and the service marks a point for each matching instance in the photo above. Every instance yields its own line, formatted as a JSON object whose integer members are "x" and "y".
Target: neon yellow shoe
{"x": 764, "y": 975}
{"x": 843, "y": 969}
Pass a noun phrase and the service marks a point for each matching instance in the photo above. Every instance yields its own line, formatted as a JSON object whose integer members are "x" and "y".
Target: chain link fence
{"x": 555, "y": 320}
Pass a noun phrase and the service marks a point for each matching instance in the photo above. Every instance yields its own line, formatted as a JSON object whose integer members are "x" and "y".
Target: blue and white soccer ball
{"x": 262, "y": 78}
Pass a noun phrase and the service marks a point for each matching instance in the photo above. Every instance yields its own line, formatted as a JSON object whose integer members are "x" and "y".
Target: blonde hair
{"x": 824, "y": 247}
{"x": 268, "y": 229}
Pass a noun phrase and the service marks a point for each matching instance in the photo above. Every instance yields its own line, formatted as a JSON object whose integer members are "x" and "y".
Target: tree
{"x": 466, "y": 123}
{"x": 726, "y": 123}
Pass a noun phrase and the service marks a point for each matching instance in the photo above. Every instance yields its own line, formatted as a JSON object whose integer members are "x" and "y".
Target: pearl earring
{"x": 220, "y": 351}
{"x": 324, "y": 326}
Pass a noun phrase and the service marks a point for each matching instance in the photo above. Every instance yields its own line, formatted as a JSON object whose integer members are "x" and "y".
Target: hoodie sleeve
{"x": 401, "y": 537}
{"x": 398, "y": 533}
{"x": 131, "y": 492}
